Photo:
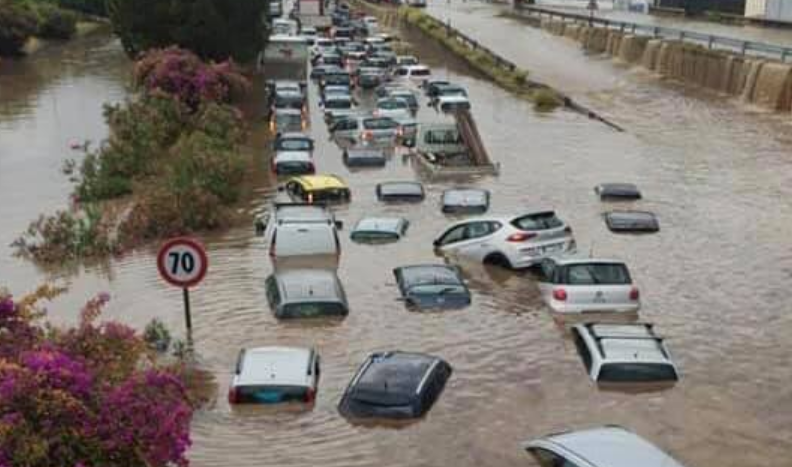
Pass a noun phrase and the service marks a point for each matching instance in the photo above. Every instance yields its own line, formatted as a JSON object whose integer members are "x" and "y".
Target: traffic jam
{"x": 380, "y": 106}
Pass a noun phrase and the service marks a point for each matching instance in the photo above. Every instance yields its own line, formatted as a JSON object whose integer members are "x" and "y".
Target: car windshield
{"x": 393, "y": 104}
{"x": 288, "y": 119}
{"x": 338, "y": 104}
{"x": 539, "y": 221}
{"x": 437, "y": 289}
{"x": 295, "y": 145}
{"x": 330, "y": 194}
{"x": 637, "y": 372}
{"x": 374, "y": 236}
{"x": 313, "y": 309}
{"x": 270, "y": 394}
{"x": 285, "y": 101}
{"x": 597, "y": 273}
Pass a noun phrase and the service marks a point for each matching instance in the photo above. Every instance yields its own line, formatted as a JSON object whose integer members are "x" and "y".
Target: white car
{"x": 415, "y": 73}
{"x": 393, "y": 107}
{"x": 584, "y": 285}
{"x": 513, "y": 242}
{"x": 624, "y": 353}
{"x": 452, "y": 103}
{"x": 607, "y": 446}
{"x": 271, "y": 375}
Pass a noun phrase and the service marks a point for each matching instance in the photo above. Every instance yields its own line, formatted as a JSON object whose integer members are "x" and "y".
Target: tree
{"x": 213, "y": 29}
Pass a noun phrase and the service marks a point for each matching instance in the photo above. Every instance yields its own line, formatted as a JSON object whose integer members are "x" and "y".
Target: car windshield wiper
{"x": 447, "y": 290}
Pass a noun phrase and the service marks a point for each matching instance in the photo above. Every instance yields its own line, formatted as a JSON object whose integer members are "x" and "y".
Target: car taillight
{"x": 520, "y": 237}
{"x": 568, "y": 229}
{"x": 560, "y": 295}
{"x": 635, "y": 294}
{"x": 274, "y": 167}
{"x": 233, "y": 395}
{"x": 310, "y": 395}
{"x": 272, "y": 126}
{"x": 368, "y": 134}
{"x": 400, "y": 132}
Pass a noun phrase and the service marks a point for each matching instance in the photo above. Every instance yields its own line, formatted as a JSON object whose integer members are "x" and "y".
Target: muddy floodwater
{"x": 715, "y": 279}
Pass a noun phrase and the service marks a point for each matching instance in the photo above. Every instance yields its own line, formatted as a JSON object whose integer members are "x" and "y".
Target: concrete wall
{"x": 758, "y": 81}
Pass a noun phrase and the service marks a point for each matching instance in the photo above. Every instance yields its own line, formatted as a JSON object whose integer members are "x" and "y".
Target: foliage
{"x": 545, "y": 99}
{"x": 87, "y": 395}
{"x": 67, "y": 236}
{"x": 92, "y": 7}
{"x": 54, "y": 22}
{"x": 17, "y": 24}
{"x": 213, "y": 29}
{"x": 157, "y": 335}
{"x": 180, "y": 73}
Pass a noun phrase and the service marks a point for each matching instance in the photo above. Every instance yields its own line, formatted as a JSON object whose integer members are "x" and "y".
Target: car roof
{"x": 288, "y": 112}
{"x": 422, "y": 274}
{"x": 284, "y": 156}
{"x": 610, "y": 446}
{"x": 453, "y": 98}
{"x": 399, "y": 372}
{"x": 320, "y": 182}
{"x": 294, "y": 135}
{"x": 400, "y": 187}
{"x": 465, "y": 196}
{"x": 365, "y": 152}
{"x": 617, "y": 189}
{"x": 380, "y": 224}
{"x": 416, "y": 67}
{"x": 627, "y": 342}
{"x": 275, "y": 365}
{"x": 308, "y": 284}
{"x": 338, "y": 97}
{"x": 302, "y": 212}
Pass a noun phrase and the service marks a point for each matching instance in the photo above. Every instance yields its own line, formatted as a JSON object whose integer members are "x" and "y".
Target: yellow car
{"x": 318, "y": 189}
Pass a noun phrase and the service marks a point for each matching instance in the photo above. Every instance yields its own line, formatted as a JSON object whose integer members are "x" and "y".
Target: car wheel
{"x": 498, "y": 259}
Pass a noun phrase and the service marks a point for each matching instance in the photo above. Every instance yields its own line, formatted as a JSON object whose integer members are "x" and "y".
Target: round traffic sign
{"x": 182, "y": 262}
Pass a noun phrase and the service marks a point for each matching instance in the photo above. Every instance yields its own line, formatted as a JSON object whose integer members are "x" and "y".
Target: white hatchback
{"x": 585, "y": 285}
{"x": 510, "y": 241}
{"x": 271, "y": 375}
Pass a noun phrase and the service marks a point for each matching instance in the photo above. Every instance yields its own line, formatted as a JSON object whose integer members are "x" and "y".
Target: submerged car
{"x": 432, "y": 286}
{"x": 306, "y": 293}
{"x": 632, "y": 222}
{"x": 293, "y": 142}
{"x": 395, "y": 385}
{"x": 272, "y": 375}
{"x": 512, "y": 242}
{"x": 624, "y": 353}
{"x": 607, "y": 446}
{"x": 318, "y": 189}
{"x": 400, "y": 192}
{"x": 287, "y": 121}
{"x": 364, "y": 157}
{"x": 617, "y": 191}
{"x": 465, "y": 201}
{"x": 379, "y": 131}
{"x": 585, "y": 285}
{"x": 293, "y": 163}
{"x": 379, "y": 229}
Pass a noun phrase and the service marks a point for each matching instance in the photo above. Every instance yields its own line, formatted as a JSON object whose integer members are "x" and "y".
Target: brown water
{"x": 715, "y": 279}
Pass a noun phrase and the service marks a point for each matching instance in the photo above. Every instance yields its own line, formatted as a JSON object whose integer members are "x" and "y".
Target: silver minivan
{"x": 370, "y": 130}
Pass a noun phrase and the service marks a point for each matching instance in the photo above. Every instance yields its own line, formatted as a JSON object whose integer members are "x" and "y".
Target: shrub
{"x": 55, "y": 23}
{"x": 82, "y": 396}
{"x": 92, "y": 7}
{"x": 546, "y": 99}
{"x": 17, "y": 24}
{"x": 180, "y": 73}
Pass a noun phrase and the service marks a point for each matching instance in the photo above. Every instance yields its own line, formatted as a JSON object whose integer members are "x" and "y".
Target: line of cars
{"x": 404, "y": 385}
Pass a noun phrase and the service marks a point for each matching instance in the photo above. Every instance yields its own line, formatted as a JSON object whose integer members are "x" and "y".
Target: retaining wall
{"x": 763, "y": 82}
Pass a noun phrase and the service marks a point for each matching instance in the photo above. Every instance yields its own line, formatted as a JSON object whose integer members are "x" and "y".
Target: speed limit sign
{"x": 182, "y": 262}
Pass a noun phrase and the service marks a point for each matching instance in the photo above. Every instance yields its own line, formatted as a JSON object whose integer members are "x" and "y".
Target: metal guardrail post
{"x": 710, "y": 41}
{"x": 744, "y": 48}
{"x": 655, "y": 32}
{"x": 682, "y": 35}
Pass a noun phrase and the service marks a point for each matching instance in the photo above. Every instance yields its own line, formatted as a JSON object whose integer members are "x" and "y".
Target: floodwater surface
{"x": 715, "y": 279}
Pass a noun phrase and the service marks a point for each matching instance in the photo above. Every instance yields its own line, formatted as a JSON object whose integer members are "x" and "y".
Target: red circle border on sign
{"x": 192, "y": 243}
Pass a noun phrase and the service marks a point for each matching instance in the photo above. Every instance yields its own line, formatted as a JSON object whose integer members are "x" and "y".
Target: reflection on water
{"x": 714, "y": 280}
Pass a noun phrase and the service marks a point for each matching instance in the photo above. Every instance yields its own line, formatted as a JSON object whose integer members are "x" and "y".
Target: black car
{"x": 400, "y": 191}
{"x": 364, "y": 157}
{"x": 632, "y": 222}
{"x": 432, "y": 286}
{"x": 617, "y": 191}
{"x": 395, "y": 385}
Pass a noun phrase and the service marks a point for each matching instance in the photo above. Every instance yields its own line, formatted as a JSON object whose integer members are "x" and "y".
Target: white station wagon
{"x": 585, "y": 285}
{"x": 271, "y": 375}
{"x": 607, "y": 446}
{"x": 624, "y": 353}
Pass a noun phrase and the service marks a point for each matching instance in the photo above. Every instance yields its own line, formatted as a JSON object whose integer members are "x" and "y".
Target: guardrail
{"x": 729, "y": 44}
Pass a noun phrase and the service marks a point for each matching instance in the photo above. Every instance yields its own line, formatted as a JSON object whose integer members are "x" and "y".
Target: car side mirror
{"x": 339, "y": 225}
{"x": 281, "y": 188}
{"x": 436, "y": 243}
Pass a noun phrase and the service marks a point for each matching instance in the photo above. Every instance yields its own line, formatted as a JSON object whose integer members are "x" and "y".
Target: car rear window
{"x": 287, "y": 119}
{"x": 374, "y": 236}
{"x": 338, "y": 104}
{"x": 421, "y": 72}
{"x": 380, "y": 124}
{"x": 291, "y": 102}
{"x": 331, "y": 194}
{"x": 270, "y": 394}
{"x": 599, "y": 273}
{"x": 393, "y": 104}
{"x": 295, "y": 145}
{"x": 636, "y": 372}
{"x": 539, "y": 221}
{"x": 312, "y": 309}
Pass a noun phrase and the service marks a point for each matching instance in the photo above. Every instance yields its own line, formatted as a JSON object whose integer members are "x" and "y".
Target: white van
{"x": 304, "y": 239}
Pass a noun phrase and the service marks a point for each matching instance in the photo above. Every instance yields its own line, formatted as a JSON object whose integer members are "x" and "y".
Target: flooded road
{"x": 715, "y": 280}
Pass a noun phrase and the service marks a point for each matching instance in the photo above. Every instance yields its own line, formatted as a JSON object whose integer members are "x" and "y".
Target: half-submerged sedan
{"x": 379, "y": 229}
{"x": 432, "y": 286}
{"x": 271, "y": 375}
{"x": 395, "y": 385}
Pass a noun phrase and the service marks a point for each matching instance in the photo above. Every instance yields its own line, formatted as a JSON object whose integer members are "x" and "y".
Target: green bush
{"x": 17, "y": 24}
{"x": 92, "y": 7}
{"x": 546, "y": 99}
{"x": 55, "y": 23}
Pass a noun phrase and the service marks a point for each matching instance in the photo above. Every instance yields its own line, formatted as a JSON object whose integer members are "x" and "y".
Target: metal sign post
{"x": 182, "y": 262}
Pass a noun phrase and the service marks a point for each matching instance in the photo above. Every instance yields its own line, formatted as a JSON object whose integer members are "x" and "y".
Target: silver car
{"x": 607, "y": 446}
{"x": 368, "y": 130}
{"x": 584, "y": 285}
{"x": 509, "y": 241}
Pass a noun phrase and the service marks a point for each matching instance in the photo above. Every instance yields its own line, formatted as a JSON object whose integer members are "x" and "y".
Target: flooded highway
{"x": 715, "y": 280}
